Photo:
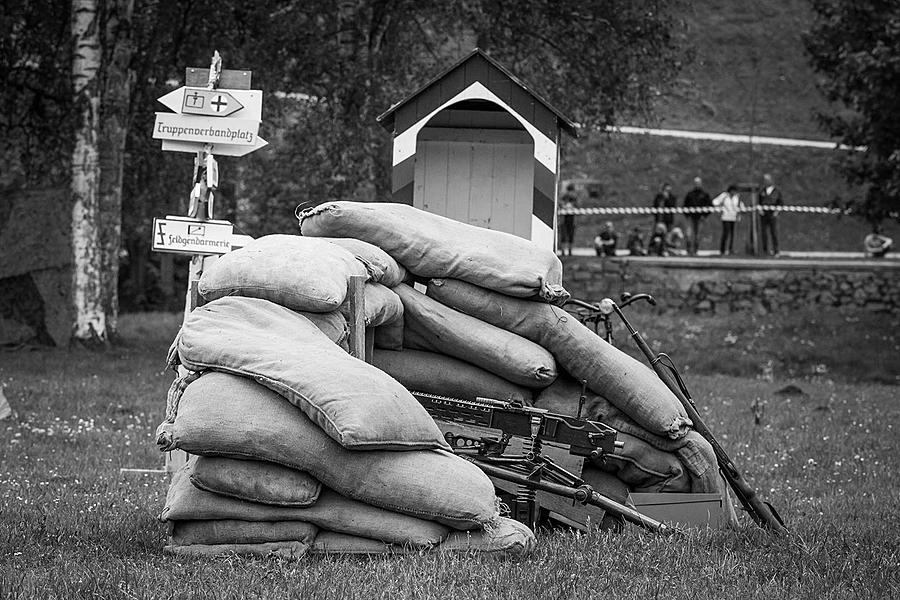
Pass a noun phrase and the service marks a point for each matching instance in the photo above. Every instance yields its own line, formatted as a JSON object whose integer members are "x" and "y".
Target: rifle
{"x": 763, "y": 513}
{"x": 530, "y": 470}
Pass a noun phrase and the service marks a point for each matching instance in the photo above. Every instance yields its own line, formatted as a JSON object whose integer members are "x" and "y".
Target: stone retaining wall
{"x": 719, "y": 285}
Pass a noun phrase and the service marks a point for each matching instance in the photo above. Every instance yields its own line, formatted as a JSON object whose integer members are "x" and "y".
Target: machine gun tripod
{"x": 529, "y": 468}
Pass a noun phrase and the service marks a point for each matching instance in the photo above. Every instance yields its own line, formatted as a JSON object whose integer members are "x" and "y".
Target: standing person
{"x": 665, "y": 199}
{"x": 569, "y": 200}
{"x": 605, "y": 242}
{"x": 731, "y": 204}
{"x": 770, "y": 195}
{"x": 696, "y": 198}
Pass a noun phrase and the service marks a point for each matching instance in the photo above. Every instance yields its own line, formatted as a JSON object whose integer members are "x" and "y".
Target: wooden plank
{"x": 522, "y": 102}
{"x": 500, "y": 84}
{"x": 431, "y": 181}
{"x": 370, "y": 344}
{"x": 477, "y": 70}
{"x": 427, "y": 101}
{"x": 475, "y": 135}
{"x": 545, "y": 121}
{"x": 231, "y": 79}
{"x": 481, "y": 186}
{"x": 459, "y": 172}
{"x": 357, "y": 303}
{"x": 403, "y": 173}
{"x": 524, "y": 186}
{"x": 503, "y": 200}
{"x": 404, "y": 118}
{"x": 452, "y": 84}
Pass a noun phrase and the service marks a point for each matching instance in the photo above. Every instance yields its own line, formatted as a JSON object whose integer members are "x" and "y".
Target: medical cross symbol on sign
{"x": 220, "y": 103}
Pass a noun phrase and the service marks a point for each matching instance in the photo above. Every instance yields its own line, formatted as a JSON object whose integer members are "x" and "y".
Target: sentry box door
{"x": 480, "y": 176}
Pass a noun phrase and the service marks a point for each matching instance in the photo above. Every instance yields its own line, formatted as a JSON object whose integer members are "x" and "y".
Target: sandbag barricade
{"x": 296, "y": 272}
{"x": 255, "y": 481}
{"x": 284, "y": 351}
{"x": 432, "y": 326}
{"x": 430, "y": 245}
{"x": 628, "y": 384}
{"x": 220, "y": 414}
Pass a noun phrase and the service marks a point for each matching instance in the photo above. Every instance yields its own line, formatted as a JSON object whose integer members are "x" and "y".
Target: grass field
{"x": 71, "y": 526}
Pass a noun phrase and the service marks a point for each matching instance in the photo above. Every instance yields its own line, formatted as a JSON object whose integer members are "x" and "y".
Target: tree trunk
{"x": 87, "y": 284}
{"x": 118, "y": 82}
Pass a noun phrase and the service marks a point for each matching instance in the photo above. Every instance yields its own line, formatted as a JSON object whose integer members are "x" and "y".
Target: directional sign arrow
{"x": 190, "y": 128}
{"x": 217, "y": 149}
{"x": 209, "y": 103}
{"x": 238, "y": 104}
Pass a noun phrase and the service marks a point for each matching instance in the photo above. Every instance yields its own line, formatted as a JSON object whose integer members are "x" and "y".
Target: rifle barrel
{"x": 759, "y": 511}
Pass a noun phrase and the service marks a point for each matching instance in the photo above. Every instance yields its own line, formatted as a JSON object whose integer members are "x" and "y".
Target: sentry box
{"x": 477, "y": 145}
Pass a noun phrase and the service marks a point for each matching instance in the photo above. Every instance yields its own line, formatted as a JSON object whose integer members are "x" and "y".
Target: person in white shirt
{"x": 731, "y": 204}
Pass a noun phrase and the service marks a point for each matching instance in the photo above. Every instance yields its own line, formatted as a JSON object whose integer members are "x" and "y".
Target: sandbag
{"x": 334, "y": 512}
{"x": 381, "y": 267}
{"x": 224, "y": 415}
{"x": 694, "y": 452}
{"x": 507, "y": 537}
{"x": 430, "y": 325}
{"x": 280, "y": 549}
{"x": 628, "y": 384}
{"x": 434, "y": 373}
{"x": 231, "y": 531}
{"x": 255, "y": 481}
{"x": 355, "y": 403}
{"x": 331, "y": 542}
{"x": 300, "y": 273}
{"x": 430, "y": 245}
{"x": 381, "y": 306}
{"x": 388, "y": 336}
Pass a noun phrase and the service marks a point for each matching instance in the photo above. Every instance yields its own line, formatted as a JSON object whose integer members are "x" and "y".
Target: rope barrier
{"x": 646, "y": 210}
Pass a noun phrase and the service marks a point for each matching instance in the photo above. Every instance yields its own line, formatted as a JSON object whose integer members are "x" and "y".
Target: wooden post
{"x": 356, "y": 299}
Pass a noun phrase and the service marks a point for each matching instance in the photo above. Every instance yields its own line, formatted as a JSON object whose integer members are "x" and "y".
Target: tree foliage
{"x": 855, "y": 47}
{"x": 328, "y": 69}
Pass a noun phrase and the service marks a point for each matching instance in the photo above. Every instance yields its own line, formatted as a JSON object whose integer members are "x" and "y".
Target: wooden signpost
{"x": 214, "y": 113}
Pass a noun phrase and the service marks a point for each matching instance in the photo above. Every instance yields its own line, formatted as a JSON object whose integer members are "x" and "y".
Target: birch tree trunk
{"x": 118, "y": 83}
{"x": 87, "y": 282}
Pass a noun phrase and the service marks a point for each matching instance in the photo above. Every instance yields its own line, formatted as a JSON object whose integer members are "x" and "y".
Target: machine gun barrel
{"x": 583, "y": 494}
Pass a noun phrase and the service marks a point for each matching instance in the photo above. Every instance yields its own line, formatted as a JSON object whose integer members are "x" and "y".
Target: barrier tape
{"x": 646, "y": 210}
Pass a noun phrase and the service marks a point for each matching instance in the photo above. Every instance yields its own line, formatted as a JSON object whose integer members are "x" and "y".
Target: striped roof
{"x": 477, "y": 66}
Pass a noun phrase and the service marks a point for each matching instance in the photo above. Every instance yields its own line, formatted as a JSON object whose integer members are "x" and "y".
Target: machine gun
{"x": 490, "y": 426}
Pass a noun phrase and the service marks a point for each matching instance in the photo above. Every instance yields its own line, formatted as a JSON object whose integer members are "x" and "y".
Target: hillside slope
{"x": 749, "y": 75}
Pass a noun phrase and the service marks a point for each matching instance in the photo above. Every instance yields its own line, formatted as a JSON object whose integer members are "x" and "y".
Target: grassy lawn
{"x": 71, "y": 526}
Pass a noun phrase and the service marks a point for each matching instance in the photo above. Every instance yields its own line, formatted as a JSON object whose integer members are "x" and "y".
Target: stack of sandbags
{"x": 488, "y": 324}
{"x": 302, "y": 446}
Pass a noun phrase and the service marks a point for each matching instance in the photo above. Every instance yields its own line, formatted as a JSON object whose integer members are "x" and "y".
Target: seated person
{"x": 635, "y": 243}
{"x": 657, "y": 245}
{"x": 876, "y": 244}
{"x": 675, "y": 243}
{"x": 605, "y": 242}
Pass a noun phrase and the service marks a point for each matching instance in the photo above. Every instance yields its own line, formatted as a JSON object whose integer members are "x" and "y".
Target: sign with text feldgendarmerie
{"x": 183, "y": 235}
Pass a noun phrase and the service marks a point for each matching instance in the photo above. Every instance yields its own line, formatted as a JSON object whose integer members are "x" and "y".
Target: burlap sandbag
{"x": 255, "y": 481}
{"x": 389, "y": 336}
{"x": 290, "y": 550}
{"x": 333, "y": 512}
{"x": 630, "y": 385}
{"x": 297, "y": 272}
{"x": 430, "y": 245}
{"x": 355, "y": 403}
{"x": 224, "y": 415}
{"x": 381, "y": 267}
{"x": 232, "y": 531}
{"x": 435, "y": 373}
{"x": 430, "y": 325}
{"x": 381, "y": 306}
{"x": 506, "y": 538}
